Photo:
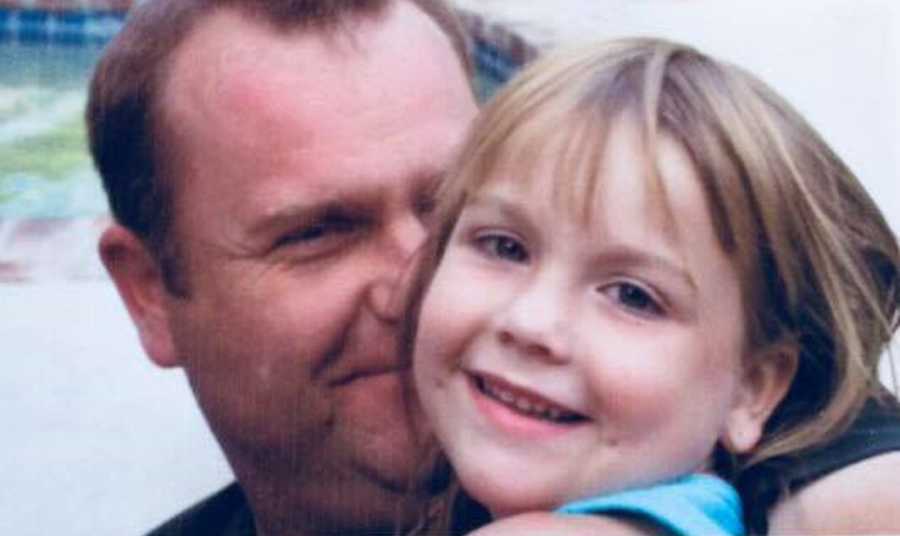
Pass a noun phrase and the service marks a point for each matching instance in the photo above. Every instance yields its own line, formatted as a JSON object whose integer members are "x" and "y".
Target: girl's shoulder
{"x": 543, "y": 523}
{"x": 691, "y": 504}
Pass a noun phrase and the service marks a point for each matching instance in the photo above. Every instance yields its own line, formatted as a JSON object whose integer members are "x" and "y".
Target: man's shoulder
{"x": 225, "y": 513}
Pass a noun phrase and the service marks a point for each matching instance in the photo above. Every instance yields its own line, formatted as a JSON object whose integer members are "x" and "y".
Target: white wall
{"x": 96, "y": 440}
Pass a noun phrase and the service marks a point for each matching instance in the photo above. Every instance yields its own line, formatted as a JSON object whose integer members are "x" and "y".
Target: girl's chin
{"x": 508, "y": 501}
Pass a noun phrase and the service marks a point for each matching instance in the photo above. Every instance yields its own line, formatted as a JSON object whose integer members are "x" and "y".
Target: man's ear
{"x": 140, "y": 284}
{"x": 767, "y": 375}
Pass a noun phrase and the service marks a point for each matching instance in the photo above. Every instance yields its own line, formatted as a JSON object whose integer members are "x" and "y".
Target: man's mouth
{"x": 369, "y": 373}
{"x": 526, "y": 403}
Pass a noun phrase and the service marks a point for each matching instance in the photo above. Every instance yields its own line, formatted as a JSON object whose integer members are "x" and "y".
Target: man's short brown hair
{"x": 127, "y": 134}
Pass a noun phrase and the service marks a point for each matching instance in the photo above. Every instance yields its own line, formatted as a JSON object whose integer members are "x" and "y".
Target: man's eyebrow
{"x": 427, "y": 183}
{"x": 285, "y": 217}
{"x": 303, "y": 212}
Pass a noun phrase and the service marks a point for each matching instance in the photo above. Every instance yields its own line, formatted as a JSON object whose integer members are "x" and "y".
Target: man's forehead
{"x": 234, "y": 77}
{"x": 229, "y": 53}
{"x": 231, "y": 65}
{"x": 267, "y": 113}
{"x": 228, "y": 43}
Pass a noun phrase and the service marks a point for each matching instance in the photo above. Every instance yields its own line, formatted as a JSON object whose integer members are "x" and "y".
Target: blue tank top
{"x": 696, "y": 504}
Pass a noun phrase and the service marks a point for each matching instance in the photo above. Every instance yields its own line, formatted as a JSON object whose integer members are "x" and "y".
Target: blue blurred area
{"x": 47, "y": 59}
{"x": 45, "y": 170}
{"x": 493, "y": 68}
{"x": 58, "y": 27}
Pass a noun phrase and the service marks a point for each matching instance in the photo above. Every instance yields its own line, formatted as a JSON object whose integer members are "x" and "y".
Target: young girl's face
{"x": 558, "y": 360}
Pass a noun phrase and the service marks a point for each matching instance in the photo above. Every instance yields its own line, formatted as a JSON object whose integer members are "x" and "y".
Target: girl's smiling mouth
{"x": 519, "y": 404}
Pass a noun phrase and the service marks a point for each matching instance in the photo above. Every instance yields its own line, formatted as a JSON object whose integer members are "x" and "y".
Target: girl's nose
{"x": 536, "y": 324}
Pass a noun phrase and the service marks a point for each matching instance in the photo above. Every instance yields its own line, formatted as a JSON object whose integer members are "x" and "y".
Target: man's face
{"x": 306, "y": 165}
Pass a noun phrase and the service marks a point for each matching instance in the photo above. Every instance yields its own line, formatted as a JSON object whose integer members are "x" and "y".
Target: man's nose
{"x": 397, "y": 254}
{"x": 536, "y": 323}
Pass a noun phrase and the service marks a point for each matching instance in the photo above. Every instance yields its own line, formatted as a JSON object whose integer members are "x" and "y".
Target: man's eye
{"x": 425, "y": 205}
{"x": 503, "y": 247}
{"x": 634, "y": 298}
{"x": 320, "y": 230}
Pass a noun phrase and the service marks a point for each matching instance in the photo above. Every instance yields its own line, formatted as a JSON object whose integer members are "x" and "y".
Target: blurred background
{"x": 98, "y": 441}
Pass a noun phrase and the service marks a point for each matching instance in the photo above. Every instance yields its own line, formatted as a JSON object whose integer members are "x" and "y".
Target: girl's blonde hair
{"x": 818, "y": 262}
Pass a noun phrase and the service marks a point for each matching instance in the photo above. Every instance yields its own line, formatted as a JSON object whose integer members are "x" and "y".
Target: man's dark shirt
{"x": 875, "y": 431}
{"x": 226, "y": 513}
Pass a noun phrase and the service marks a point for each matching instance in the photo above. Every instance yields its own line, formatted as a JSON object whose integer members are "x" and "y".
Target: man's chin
{"x": 377, "y": 425}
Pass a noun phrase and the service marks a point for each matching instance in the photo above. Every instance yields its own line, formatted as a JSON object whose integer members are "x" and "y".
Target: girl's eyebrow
{"x": 627, "y": 255}
{"x": 492, "y": 201}
{"x": 616, "y": 253}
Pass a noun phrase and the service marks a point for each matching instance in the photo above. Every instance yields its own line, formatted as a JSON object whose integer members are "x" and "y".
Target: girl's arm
{"x": 863, "y": 498}
{"x": 545, "y": 523}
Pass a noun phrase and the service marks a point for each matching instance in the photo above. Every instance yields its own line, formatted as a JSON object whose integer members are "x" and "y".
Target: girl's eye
{"x": 634, "y": 298}
{"x": 503, "y": 247}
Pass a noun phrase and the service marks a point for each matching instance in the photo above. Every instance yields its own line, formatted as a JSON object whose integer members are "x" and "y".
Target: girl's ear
{"x": 766, "y": 378}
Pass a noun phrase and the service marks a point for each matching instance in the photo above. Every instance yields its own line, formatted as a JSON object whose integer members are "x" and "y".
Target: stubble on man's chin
{"x": 353, "y": 498}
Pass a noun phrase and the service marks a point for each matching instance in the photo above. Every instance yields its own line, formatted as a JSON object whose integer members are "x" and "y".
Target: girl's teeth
{"x": 524, "y": 405}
